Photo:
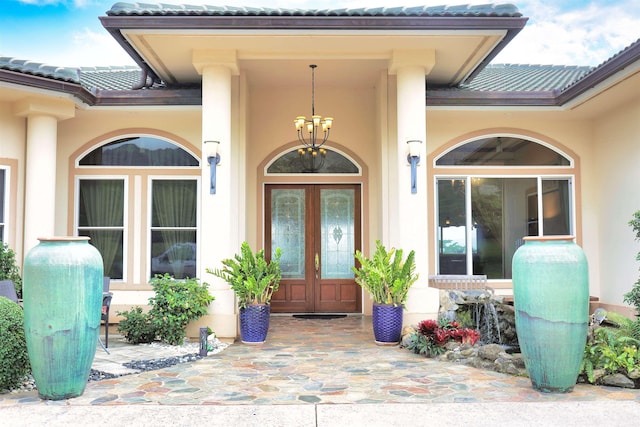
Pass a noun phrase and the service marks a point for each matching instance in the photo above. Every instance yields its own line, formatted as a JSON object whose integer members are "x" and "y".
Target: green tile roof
{"x": 524, "y": 78}
{"x": 39, "y": 69}
{"x": 139, "y": 9}
{"x": 110, "y": 78}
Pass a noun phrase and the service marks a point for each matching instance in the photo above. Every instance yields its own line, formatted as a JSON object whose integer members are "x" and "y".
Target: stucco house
{"x": 430, "y": 146}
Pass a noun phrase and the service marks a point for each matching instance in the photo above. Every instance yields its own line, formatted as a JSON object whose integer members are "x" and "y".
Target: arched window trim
{"x": 289, "y": 150}
{"x": 512, "y": 135}
{"x": 135, "y": 135}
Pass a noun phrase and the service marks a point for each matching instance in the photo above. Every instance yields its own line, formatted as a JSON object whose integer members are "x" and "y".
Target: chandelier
{"x": 312, "y": 133}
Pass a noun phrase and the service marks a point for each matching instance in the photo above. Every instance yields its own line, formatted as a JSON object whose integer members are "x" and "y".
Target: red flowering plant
{"x": 432, "y": 336}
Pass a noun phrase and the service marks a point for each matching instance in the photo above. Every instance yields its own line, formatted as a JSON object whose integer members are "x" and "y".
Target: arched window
{"x": 502, "y": 195}
{"x": 292, "y": 162}
{"x": 139, "y": 151}
{"x": 153, "y": 176}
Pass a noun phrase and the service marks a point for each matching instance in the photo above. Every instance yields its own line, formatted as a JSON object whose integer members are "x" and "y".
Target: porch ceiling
{"x": 279, "y": 58}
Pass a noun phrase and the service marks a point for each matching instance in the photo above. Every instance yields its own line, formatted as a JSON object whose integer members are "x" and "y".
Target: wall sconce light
{"x": 213, "y": 158}
{"x": 414, "y": 158}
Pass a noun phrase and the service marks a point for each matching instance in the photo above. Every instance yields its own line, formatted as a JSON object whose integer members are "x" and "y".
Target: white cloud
{"x": 75, "y": 3}
{"x": 586, "y": 34}
{"x": 89, "y": 48}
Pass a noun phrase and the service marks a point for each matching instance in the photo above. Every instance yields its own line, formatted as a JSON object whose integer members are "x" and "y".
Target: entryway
{"x": 318, "y": 228}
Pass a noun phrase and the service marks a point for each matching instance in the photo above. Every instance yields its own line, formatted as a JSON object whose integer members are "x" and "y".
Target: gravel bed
{"x": 28, "y": 383}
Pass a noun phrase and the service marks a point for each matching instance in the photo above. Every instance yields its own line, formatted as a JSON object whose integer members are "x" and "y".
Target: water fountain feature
{"x": 484, "y": 311}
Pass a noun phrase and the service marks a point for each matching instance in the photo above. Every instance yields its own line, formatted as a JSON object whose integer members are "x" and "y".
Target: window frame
{"x": 435, "y": 172}
{"x": 125, "y": 219}
{"x": 5, "y": 193}
{"x": 149, "y": 225}
{"x": 136, "y": 268}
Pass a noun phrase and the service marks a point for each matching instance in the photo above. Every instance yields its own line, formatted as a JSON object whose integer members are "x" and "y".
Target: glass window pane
{"x": 101, "y": 203}
{"x": 488, "y": 215}
{"x": 174, "y": 203}
{"x": 3, "y": 196}
{"x": 337, "y": 233}
{"x": 502, "y": 151}
{"x": 174, "y": 252}
{"x": 555, "y": 207}
{"x": 109, "y": 243}
{"x": 139, "y": 151}
{"x": 292, "y": 162}
{"x": 287, "y": 230}
{"x": 173, "y": 235}
{"x": 452, "y": 236}
{"x": 101, "y": 217}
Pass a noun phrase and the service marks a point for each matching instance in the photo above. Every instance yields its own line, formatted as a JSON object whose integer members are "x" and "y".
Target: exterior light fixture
{"x": 204, "y": 345}
{"x": 213, "y": 158}
{"x": 313, "y": 133}
{"x": 414, "y": 158}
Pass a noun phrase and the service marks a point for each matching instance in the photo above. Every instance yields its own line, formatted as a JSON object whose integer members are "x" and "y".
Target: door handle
{"x": 317, "y": 262}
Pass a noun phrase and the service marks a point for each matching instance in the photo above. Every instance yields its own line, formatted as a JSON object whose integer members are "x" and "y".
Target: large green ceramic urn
{"x": 551, "y": 298}
{"x": 62, "y": 289}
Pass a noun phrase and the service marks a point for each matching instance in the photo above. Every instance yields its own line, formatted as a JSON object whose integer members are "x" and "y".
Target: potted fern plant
{"x": 387, "y": 277}
{"x": 254, "y": 279}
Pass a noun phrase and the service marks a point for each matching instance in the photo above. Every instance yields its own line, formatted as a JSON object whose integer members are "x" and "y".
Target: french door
{"x": 318, "y": 229}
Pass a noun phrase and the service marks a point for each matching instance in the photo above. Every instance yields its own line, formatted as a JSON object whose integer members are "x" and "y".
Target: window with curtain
{"x": 3, "y": 203}
{"x": 101, "y": 217}
{"x": 173, "y": 227}
{"x": 137, "y": 239}
{"x": 481, "y": 220}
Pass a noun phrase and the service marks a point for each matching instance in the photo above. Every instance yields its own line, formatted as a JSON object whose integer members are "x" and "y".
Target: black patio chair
{"x": 7, "y": 289}
{"x": 106, "y": 305}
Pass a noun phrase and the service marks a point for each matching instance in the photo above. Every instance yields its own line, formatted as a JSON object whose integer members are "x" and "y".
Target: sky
{"x": 68, "y": 33}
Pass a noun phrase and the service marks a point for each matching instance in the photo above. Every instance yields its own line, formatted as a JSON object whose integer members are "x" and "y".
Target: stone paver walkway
{"x": 310, "y": 361}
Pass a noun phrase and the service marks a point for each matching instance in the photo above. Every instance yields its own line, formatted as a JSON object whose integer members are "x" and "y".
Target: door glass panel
{"x": 337, "y": 233}
{"x": 287, "y": 229}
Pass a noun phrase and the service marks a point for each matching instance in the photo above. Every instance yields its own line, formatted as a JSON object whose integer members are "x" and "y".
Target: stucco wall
{"x": 12, "y": 154}
{"x": 561, "y": 129}
{"x": 617, "y": 148}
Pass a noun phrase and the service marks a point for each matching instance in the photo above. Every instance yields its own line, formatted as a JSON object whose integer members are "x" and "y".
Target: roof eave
{"x": 600, "y": 74}
{"x": 115, "y": 24}
{"x": 47, "y": 83}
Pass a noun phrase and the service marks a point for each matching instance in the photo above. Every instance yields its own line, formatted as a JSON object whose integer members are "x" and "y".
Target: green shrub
{"x": 174, "y": 305}
{"x": 611, "y": 349}
{"x": 136, "y": 326}
{"x": 9, "y": 268}
{"x": 14, "y": 360}
{"x": 633, "y": 296}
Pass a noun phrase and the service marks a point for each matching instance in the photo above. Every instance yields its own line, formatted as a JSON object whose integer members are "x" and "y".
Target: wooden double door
{"x": 318, "y": 229}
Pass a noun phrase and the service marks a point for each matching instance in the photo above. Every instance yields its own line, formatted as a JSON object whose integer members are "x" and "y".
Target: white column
{"x": 218, "y": 235}
{"x": 411, "y": 211}
{"x": 40, "y": 181}
{"x": 42, "y": 116}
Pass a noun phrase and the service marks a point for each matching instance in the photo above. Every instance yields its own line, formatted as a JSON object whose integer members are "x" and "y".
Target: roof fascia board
{"x": 163, "y": 97}
{"x": 352, "y": 23}
{"x": 491, "y": 99}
